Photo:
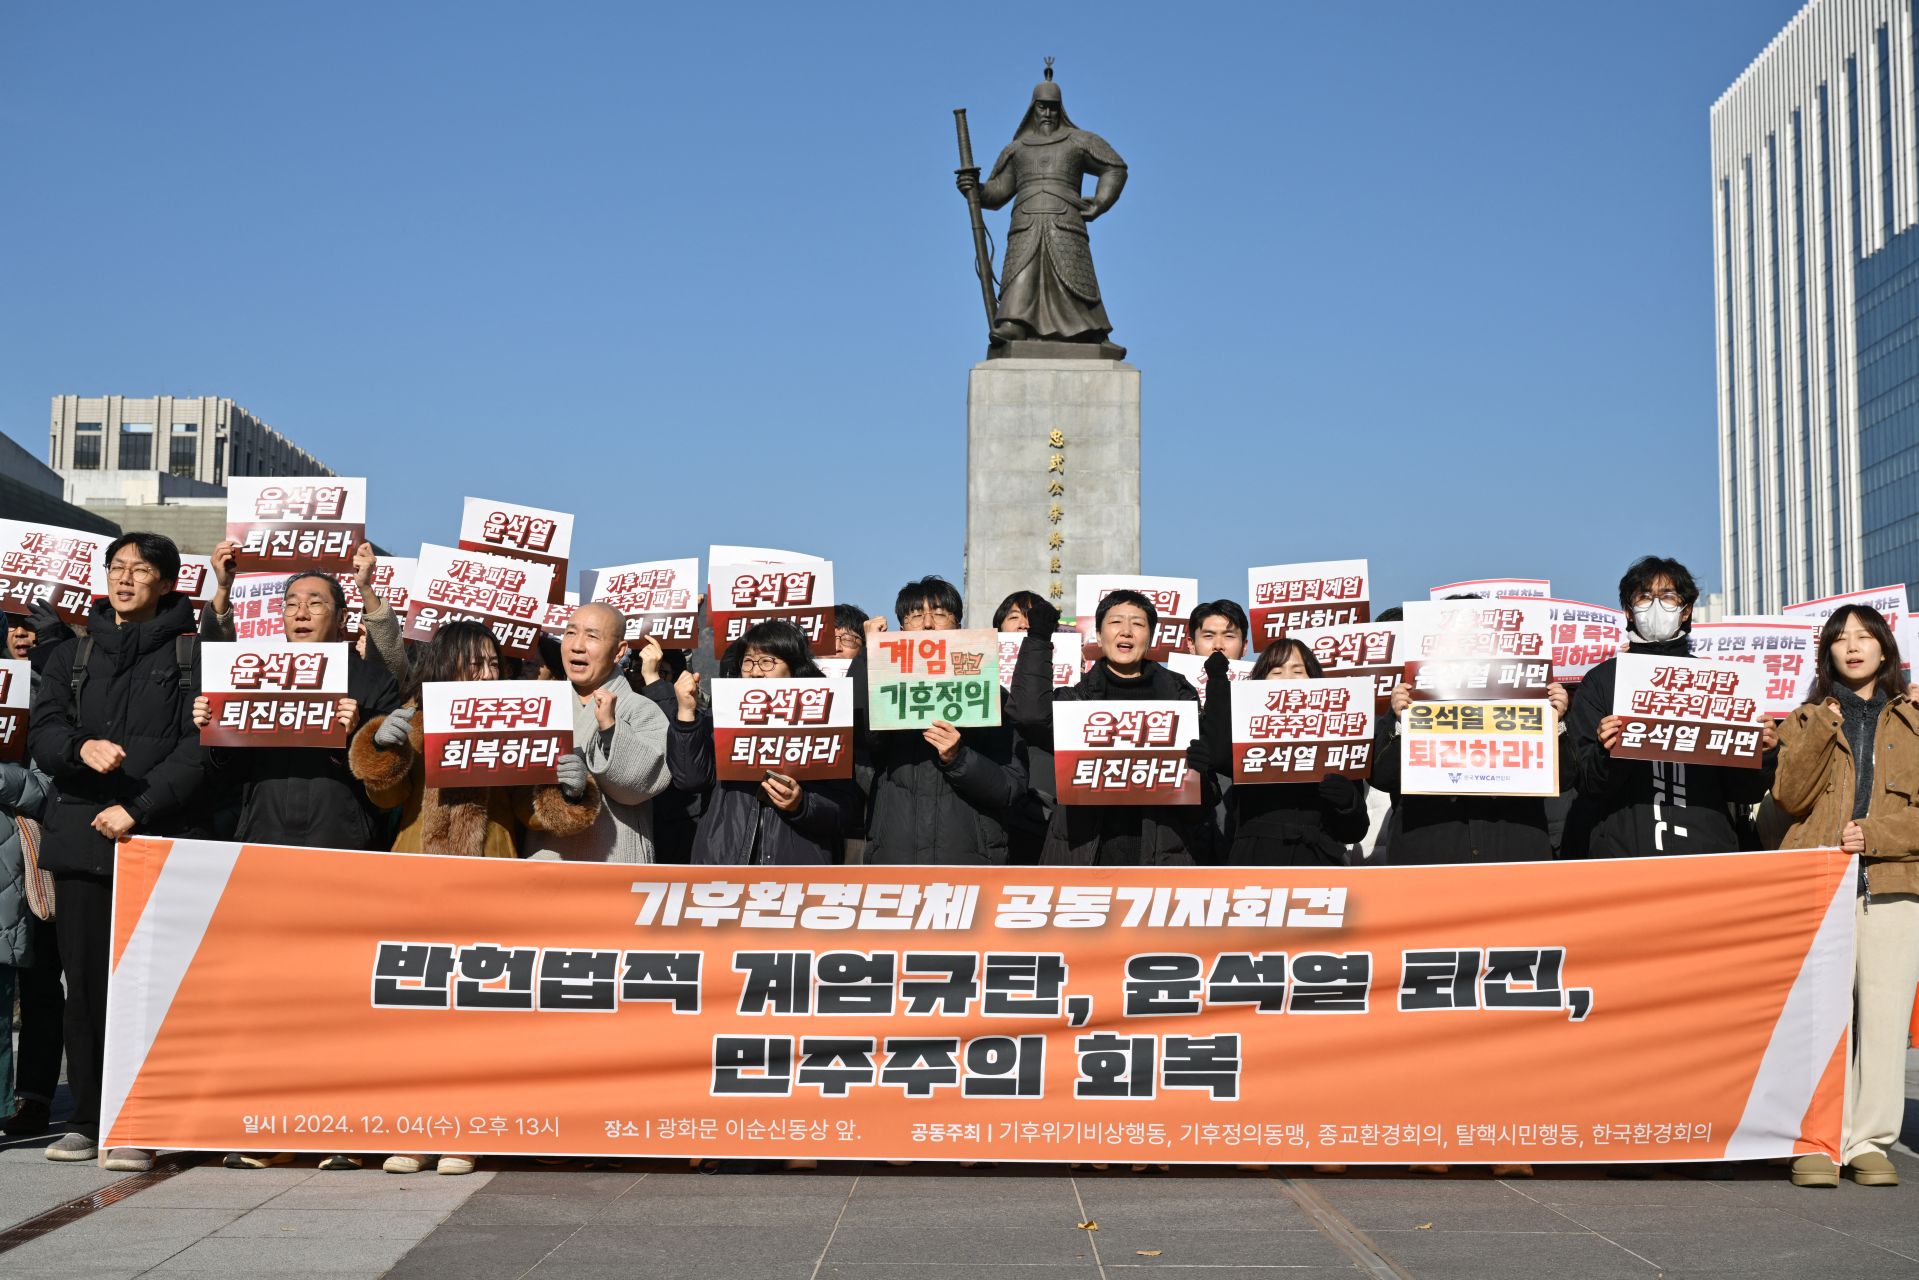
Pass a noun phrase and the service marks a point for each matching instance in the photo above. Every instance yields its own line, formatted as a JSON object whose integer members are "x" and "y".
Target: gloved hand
{"x": 1198, "y": 758}
{"x": 395, "y": 729}
{"x": 572, "y": 775}
{"x": 45, "y": 624}
{"x": 1042, "y": 620}
{"x": 1340, "y": 793}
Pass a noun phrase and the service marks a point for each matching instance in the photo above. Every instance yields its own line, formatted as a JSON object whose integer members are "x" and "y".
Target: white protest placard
{"x": 392, "y": 582}
{"x": 16, "y": 696}
{"x": 1495, "y": 589}
{"x": 495, "y": 733}
{"x": 1069, "y": 659}
{"x": 268, "y": 693}
{"x": 64, "y": 567}
{"x": 1124, "y": 752}
{"x": 1172, "y": 599}
{"x": 451, "y": 585}
{"x": 284, "y": 523}
{"x": 1193, "y": 667}
{"x": 749, "y": 585}
{"x": 256, "y": 600}
{"x": 196, "y": 581}
{"x": 799, "y": 727}
{"x": 1785, "y": 649}
{"x": 1302, "y": 730}
{"x": 1506, "y": 748}
{"x": 1688, "y": 710}
{"x": 1478, "y": 650}
{"x": 659, "y": 598}
{"x": 1889, "y": 601}
{"x": 1369, "y": 649}
{"x": 834, "y": 666}
{"x": 522, "y": 533}
{"x": 1582, "y": 636}
{"x": 1316, "y": 594}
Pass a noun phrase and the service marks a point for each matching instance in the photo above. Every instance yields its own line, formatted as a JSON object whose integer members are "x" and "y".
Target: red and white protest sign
{"x": 64, "y": 567}
{"x": 392, "y": 582}
{"x": 495, "y": 733}
{"x": 1172, "y": 598}
{"x": 267, "y": 693}
{"x": 659, "y": 598}
{"x": 1890, "y": 601}
{"x": 1302, "y": 730}
{"x": 1496, "y": 589}
{"x": 1124, "y": 752}
{"x": 555, "y": 617}
{"x": 450, "y": 585}
{"x": 196, "y": 580}
{"x": 1369, "y": 649}
{"x": 1193, "y": 667}
{"x": 16, "y": 696}
{"x": 800, "y": 727}
{"x": 1479, "y": 650}
{"x": 1479, "y": 749}
{"x": 1785, "y": 649}
{"x": 1317, "y": 594}
{"x": 1582, "y": 636}
{"x": 522, "y": 533}
{"x": 1689, "y": 710}
{"x": 1069, "y": 657}
{"x": 749, "y": 585}
{"x": 256, "y": 600}
{"x": 289, "y": 523}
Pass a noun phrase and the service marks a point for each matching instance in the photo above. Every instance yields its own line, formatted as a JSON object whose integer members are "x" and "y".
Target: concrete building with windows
{"x": 1815, "y": 197}
{"x": 161, "y": 463}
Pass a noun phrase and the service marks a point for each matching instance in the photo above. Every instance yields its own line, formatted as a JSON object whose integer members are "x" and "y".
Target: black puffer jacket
{"x": 1640, "y": 807}
{"x": 308, "y": 795}
{"x": 1111, "y": 835}
{"x": 739, "y": 827}
{"x": 926, "y": 812}
{"x": 133, "y": 695}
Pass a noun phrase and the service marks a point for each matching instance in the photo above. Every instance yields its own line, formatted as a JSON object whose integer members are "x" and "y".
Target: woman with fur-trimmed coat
{"x": 388, "y": 755}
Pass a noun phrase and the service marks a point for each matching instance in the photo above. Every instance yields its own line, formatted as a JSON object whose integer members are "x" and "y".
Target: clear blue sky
{"x": 1430, "y": 284}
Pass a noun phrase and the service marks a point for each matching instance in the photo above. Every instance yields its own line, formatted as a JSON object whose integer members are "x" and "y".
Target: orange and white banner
{"x": 1687, "y": 1008}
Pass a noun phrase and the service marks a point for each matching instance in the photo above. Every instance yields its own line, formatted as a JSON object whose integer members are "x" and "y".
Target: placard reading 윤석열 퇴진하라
{"x": 268, "y": 693}
{"x": 801, "y": 728}
{"x": 284, "y": 523}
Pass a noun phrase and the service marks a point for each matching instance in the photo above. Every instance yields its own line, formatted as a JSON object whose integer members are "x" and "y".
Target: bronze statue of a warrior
{"x": 1048, "y": 291}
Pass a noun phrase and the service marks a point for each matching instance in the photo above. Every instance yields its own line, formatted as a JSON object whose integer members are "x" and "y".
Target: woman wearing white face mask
{"x": 1629, "y": 808}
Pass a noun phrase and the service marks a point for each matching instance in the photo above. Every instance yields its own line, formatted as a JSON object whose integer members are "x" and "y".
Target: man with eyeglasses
{"x": 620, "y": 742}
{"x": 940, "y": 796}
{"x": 1629, "y": 808}
{"x": 112, "y": 725}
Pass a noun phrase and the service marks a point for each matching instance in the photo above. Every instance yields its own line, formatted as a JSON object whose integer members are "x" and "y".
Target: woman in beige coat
{"x": 1849, "y": 776}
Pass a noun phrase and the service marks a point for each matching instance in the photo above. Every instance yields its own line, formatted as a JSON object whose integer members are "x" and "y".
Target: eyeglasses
{"x": 935, "y": 615}
{"x": 1671, "y": 599}
{"x": 751, "y": 664}
{"x": 303, "y": 607}
{"x": 132, "y": 572}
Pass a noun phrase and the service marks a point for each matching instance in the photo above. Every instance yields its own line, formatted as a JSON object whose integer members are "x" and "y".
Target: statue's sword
{"x": 983, "y": 260}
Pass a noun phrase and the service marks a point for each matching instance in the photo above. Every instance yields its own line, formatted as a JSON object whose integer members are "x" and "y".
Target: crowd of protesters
{"x": 115, "y": 751}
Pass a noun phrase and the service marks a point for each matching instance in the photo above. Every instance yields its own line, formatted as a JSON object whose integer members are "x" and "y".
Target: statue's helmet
{"x": 1046, "y": 90}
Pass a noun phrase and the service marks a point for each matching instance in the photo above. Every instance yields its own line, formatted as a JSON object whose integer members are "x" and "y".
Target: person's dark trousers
{"x": 83, "y": 918}
{"x": 42, "y": 1008}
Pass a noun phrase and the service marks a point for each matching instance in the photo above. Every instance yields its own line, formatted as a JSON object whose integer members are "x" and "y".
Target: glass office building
{"x": 1815, "y": 156}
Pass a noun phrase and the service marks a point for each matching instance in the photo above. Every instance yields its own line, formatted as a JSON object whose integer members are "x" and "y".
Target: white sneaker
{"x": 456, "y": 1164}
{"x": 128, "y": 1160}
{"x": 403, "y": 1164}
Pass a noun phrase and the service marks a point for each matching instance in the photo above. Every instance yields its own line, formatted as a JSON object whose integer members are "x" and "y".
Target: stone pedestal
{"x": 1013, "y": 407}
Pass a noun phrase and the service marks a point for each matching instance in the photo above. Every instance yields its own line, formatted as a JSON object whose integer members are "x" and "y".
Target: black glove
{"x": 47, "y": 626}
{"x": 1198, "y": 758}
{"x": 1217, "y": 664}
{"x": 1340, "y": 793}
{"x": 1042, "y": 620}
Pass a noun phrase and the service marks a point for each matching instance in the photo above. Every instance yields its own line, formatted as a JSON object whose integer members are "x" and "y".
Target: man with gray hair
{"x": 622, "y": 737}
